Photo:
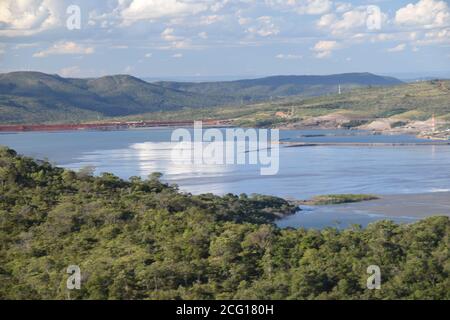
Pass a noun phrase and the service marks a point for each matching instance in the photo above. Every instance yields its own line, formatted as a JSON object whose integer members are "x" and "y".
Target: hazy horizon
{"x": 410, "y": 76}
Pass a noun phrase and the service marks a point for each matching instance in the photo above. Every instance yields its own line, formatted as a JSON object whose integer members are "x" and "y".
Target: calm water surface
{"x": 304, "y": 172}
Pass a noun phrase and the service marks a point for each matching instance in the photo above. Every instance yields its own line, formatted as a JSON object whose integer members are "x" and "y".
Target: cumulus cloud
{"x": 175, "y": 41}
{"x": 399, "y": 48}
{"x": 168, "y": 35}
{"x": 428, "y": 20}
{"x": 211, "y": 19}
{"x": 180, "y": 25}
{"x": 352, "y": 21}
{"x": 310, "y": 7}
{"x": 27, "y": 17}
{"x": 382, "y": 37}
{"x": 73, "y": 71}
{"x": 289, "y": 56}
{"x": 343, "y": 6}
{"x": 425, "y": 13}
{"x": 203, "y": 35}
{"x": 314, "y": 7}
{"x": 324, "y": 49}
{"x": 156, "y": 9}
{"x": 352, "y": 24}
{"x": 64, "y": 48}
{"x": 264, "y": 27}
{"x": 435, "y": 37}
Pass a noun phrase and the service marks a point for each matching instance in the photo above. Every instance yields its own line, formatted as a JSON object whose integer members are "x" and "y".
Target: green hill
{"x": 283, "y": 86}
{"x": 33, "y": 97}
{"x": 38, "y": 97}
{"x": 405, "y": 102}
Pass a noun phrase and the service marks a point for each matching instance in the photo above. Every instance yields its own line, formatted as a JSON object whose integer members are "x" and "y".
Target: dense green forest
{"x": 144, "y": 239}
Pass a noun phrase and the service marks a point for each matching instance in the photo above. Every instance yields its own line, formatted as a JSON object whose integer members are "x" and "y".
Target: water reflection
{"x": 304, "y": 172}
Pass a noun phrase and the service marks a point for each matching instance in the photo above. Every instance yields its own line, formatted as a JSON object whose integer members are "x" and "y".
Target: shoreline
{"x": 418, "y": 205}
{"x": 435, "y": 138}
{"x": 363, "y": 144}
{"x": 104, "y": 126}
{"x": 107, "y": 127}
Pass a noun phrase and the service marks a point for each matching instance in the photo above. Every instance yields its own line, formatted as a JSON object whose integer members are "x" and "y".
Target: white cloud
{"x": 119, "y": 46}
{"x": 314, "y": 7}
{"x": 324, "y": 49}
{"x": 168, "y": 35}
{"x": 243, "y": 21}
{"x": 383, "y": 37}
{"x": 326, "y": 21}
{"x": 352, "y": 25}
{"x": 148, "y": 55}
{"x": 435, "y": 37}
{"x": 208, "y": 20}
{"x": 62, "y": 48}
{"x": 309, "y": 7}
{"x": 289, "y": 56}
{"x": 425, "y": 13}
{"x": 25, "y": 45}
{"x": 128, "y": 69}
{"x": 178, "y": 25}
{"x": 175, "y": 41}
{"x": 264, "y": 27}
{"x": 352, "y": 21}
{"x": 203, "y": 35}
{"x": 28, "y": 17}
{"x": 343, "y": 7}
{"x": 73, "y": 71}
{"x": 177, "y": 55}
{"x": 401, "y": 47}
{"x": 183, "y": 44}
{"x": 156, "y": 9}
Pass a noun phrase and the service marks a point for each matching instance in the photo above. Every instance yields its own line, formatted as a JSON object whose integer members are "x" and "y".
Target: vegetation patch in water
{"x": 340, "y": 199}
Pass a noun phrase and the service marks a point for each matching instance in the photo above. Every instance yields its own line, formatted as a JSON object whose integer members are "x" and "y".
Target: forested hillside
{"x": 33, "y": 97}
{"x": 283, "y": 86}
{"x": 143, "y": 239}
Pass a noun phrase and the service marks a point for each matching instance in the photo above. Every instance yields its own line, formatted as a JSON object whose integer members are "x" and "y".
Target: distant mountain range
{"x": 282, "y": 86}
{"x": 34, "y": 97}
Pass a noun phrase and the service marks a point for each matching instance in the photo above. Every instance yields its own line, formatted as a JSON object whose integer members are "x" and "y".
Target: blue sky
{"x": 220, "y": 38}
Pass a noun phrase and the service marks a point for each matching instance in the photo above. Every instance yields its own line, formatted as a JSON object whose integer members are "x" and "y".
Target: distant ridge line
{"x": 36, "y": 97}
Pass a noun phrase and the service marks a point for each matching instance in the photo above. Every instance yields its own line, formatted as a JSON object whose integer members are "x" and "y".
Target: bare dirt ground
{"x": 424, "y": 129}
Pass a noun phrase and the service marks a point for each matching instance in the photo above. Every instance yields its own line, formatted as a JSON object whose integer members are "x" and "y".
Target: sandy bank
{"x": 408, "y": 205}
